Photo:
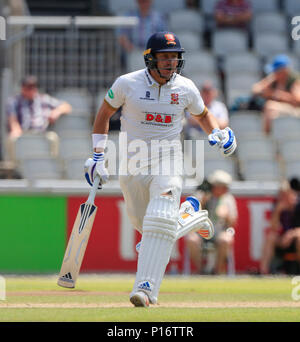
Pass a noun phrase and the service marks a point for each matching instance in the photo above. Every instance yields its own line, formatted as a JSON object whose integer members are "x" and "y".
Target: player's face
{"x": 167, "y": 63}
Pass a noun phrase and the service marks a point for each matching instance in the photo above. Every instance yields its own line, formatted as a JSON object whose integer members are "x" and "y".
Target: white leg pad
{"x": 159, "y": 235}
{"x": 198, "y": 221}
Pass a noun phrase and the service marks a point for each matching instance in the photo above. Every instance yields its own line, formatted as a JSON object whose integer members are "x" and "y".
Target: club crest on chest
{"x": 174, "y": 98}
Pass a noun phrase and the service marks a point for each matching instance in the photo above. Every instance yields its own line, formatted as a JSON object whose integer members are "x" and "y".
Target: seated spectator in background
{"x": 281, "y": 91}
{"x": 233, "y": 13}
{"x": 149, "y": 22}
{"x": 209, "y": 95}
{"x": 284, "y": 227}
{"x": 31, "y": 110}
{"x": 222, "y": 210}
{"x": 192, "y": 4}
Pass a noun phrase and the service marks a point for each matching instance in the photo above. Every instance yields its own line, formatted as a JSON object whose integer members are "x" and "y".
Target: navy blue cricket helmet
{"x": 163, "y": 42}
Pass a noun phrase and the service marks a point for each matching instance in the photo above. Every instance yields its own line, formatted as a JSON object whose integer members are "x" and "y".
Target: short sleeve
{"x": 51, "y": 101}
{"x": 10, "y": 107}
{"x": 115, "y": 96}
{"x": 196, "y": 105}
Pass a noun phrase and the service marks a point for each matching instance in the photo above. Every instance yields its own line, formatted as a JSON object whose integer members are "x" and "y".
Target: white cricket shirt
{"x": 153, "y": 112}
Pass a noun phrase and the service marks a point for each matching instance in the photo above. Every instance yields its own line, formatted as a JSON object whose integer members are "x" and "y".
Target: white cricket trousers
{"x": 138, "y": 190}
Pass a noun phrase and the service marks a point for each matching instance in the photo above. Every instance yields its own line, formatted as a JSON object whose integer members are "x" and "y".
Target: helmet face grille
{"x": 151, "y": 62}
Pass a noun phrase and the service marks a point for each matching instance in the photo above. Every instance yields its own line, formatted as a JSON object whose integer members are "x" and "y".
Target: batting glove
{"x": 224, "y": 139}
{"x": 94, "y": 166}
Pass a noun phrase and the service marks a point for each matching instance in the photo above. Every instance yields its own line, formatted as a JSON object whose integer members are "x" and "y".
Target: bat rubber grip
{"x": 93, "y": 191}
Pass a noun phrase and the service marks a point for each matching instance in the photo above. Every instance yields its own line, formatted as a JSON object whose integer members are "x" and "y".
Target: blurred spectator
{"x": 233, "y": 13}
{"x": 280, "y": 90}
{"x": 150, "y": 21}
{"x": 31, "y": 110}
{"x": 222, "y": 210}
{"x": 192, "y": 4}
{"x": 209, "y": 95}
{"x": 284, "y": 231}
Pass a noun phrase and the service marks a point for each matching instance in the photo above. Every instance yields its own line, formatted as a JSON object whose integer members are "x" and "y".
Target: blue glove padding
{"x": 224, "y": 139}
{"x": 94, "y": 166}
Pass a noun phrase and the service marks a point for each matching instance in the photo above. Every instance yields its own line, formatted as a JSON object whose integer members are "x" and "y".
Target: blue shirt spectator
{"x": 149, "y": 22}
{"x": 31, "y": 110}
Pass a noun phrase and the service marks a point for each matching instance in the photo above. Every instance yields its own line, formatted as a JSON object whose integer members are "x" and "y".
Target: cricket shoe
{"x": 140, "y": 299}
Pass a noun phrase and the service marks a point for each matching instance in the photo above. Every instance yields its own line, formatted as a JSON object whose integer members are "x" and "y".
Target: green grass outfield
{"x": 105, "y": 298}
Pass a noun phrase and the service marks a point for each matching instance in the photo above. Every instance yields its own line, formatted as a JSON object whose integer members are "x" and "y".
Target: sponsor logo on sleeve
{"x": 111, "y": 94}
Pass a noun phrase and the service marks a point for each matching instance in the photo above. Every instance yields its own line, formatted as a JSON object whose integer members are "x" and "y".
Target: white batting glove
{"x": 224, "y": 139}
{"x": 96, "y": 166}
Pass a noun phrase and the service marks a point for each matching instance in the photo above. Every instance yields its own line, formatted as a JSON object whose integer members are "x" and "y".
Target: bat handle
{"x": 93, "y": 191}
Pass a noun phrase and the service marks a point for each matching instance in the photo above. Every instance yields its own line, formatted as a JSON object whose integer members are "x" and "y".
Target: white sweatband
{"x": 99, "y": 140}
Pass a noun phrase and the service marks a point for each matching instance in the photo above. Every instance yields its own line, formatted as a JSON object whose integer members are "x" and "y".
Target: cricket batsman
{"x": 153, "y": 102}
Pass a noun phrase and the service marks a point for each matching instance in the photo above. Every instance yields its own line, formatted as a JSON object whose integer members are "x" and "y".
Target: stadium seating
{"x": 166, "y": 7}
{"x": 255, "y": 147}
{"x": 289, "y": 149}
{"x": 41, "y": 168}
{"x": 135, "y": 60}
{"x": 35, "y": 145}
{"x": 80, "y": 100}
{"x": 268, "y": 44}
{"x": 269, "y": 22}
{"x": 292, "y": 169}
{"x": 260, "y": 170}
{"x": 285, "y": 127}
{"x": 200, "y": 77}
{"x": 75, "y": 144}
{"x": 242, "y": 62}
{"x": 291, "y": 7}
{"x": 73, "y": 167}
{"x": 296, "y": 48}
{"x": 259, "y": 6}
{"x": 199, "y": 61}
{"x": 186, "y": 20}
{"x": 227, "y": 59}
{"x": 191, "y": 41}
{"x": 119, "y": 7}
{"x": 72, "y": 123}
{"x": 246, "y": 123}
{"x": 226, "y": 164}
{"x": 225, "y": 41}
{"x": 208, "y": 6}
{"x": 242, "y": 82}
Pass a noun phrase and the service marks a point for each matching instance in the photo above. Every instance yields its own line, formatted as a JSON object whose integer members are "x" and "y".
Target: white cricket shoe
{"x": 139, "y": 299}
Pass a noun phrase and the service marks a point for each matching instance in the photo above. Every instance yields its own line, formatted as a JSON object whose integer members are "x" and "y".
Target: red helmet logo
{"x": 170, "y": 38}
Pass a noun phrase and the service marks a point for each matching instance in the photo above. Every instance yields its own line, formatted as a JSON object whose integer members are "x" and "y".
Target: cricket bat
{"x": 78, "y": 240}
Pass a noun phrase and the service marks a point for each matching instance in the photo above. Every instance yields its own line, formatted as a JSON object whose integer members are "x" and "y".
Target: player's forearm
{"x": 207, "y": 122}
{"x": 101, "y": 125}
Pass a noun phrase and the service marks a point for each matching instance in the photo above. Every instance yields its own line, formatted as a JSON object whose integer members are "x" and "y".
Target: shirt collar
{"x": 149, "y": 79}
{"x": 151, "y": 82}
